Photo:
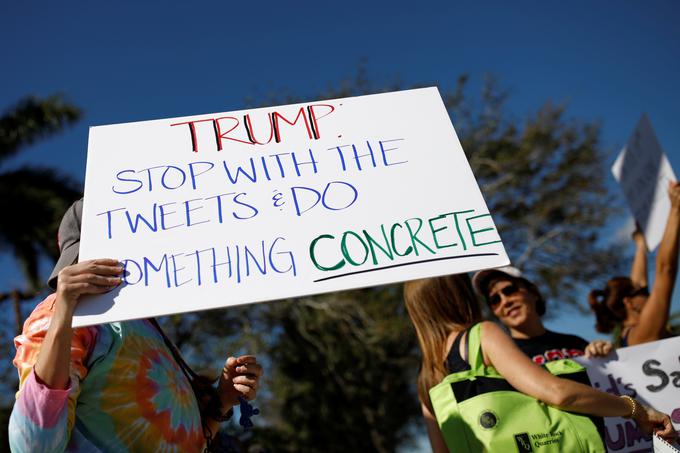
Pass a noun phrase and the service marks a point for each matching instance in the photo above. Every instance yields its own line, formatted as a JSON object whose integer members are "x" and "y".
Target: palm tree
{"x": 32, "y": 199}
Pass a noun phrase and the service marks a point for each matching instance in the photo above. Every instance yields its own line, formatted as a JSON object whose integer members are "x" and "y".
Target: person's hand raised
{"x": 240, "y": 378}
{"x": 88, "y": 277}
{"x": 598, "y": 348}
{"x": 674, "y": 194}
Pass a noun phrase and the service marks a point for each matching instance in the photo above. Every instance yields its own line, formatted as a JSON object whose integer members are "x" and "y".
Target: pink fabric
{"x": 41, "y": 404}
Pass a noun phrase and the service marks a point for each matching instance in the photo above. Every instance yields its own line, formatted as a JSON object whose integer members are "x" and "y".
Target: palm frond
{"x": 31, "y": 119}
{"x": 33, "y": 201}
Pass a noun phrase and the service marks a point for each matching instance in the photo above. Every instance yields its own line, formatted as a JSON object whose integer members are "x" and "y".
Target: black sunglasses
{"x": 509, "y": 290}
{"x": 644, "y": 291}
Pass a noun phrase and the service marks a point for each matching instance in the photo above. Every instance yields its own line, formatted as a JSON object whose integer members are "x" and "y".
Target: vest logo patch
{"x": 523, "y": 443}
{"x": 488, "y": 420}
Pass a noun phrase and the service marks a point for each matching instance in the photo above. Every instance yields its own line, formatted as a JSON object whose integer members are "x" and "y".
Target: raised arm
{"x": 638, "y": 272}
{"x": 43, "y": 415}
{"x": 501, "y": 352}
{"x": 655, "y": 312}
{"x": 88, "y": 277}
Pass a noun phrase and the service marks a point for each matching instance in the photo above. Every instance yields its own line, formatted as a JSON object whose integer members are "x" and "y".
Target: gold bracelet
{"x": 633, "y": 404}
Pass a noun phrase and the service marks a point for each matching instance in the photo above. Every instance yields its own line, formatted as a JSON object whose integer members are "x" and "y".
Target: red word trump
{"x": 241, "y": 130}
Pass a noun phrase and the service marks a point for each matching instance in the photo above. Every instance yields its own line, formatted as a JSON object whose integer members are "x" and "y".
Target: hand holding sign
{"x": 649, "y": 420}
{"x": 87, "y": 277}
{"x": 674, "y": 195}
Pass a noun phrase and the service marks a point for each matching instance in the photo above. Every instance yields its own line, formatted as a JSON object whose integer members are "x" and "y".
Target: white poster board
{"x": 230, "y": 208}
{"x": 643, "y": 172}
{"x": 661, "y": 446}
{"x": 649, "y": 373}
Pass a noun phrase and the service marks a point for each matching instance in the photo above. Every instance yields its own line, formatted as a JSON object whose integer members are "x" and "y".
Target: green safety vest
{"x": 479, "y": 411}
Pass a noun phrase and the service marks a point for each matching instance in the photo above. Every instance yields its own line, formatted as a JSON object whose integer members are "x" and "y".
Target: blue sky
{"x": 128, "y": 61}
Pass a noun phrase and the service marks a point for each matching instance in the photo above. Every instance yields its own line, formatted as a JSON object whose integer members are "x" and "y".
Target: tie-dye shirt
{"x": 126, "y": 393}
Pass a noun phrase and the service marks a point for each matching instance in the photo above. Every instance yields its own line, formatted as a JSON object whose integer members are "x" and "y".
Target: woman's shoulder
{"x": 485, "y": 328}
{"x": 40, "y": 317}
{"x": 493, "y": 337}
{"x": 490, "y": 328}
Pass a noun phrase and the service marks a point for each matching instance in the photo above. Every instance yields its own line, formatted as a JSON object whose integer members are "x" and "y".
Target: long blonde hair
{"x": 437, "y": 307}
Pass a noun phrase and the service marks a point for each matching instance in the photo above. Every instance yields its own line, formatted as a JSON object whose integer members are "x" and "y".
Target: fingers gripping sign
{"x": 88, "y": 277}
{"x": 674, "y": 193}
{"x": 599, "y": 348}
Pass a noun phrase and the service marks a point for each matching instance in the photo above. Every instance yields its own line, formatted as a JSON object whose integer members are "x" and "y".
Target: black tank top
{"x": 454, "y": 361}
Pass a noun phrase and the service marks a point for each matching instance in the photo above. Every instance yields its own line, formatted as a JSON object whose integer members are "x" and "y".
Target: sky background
{"x": 129, "y": 61}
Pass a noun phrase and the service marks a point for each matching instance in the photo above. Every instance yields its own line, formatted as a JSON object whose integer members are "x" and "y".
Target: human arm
{"x": 598, "y": 348}
{"x": 44, "y": 412}
{"x": 638, "y": 272}
{"x": 655, "y": 312}
{"x": 240, "y": 377}
{"x": 433, "y": 431}
{"x": 89, "y": 277}
{"x": 501, "y": 352}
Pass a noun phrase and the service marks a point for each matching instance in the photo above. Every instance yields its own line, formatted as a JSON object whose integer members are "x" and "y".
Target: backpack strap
{"x": 474, "y": 347}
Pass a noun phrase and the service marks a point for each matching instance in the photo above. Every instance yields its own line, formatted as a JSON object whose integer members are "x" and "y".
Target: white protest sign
{"x": 648, "y": 372}
{"x": 661, "y": 446}
{"x": 230, "y": 208}
{"x": 643, "y": 171}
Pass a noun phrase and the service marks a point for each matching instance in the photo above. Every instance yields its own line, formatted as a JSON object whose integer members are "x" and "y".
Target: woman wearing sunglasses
{"x": 641, "y": 314}
{"x": 518, "y": 305}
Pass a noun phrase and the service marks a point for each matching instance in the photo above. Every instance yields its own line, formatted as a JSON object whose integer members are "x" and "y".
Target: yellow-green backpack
{"x": 479, "y": 411}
